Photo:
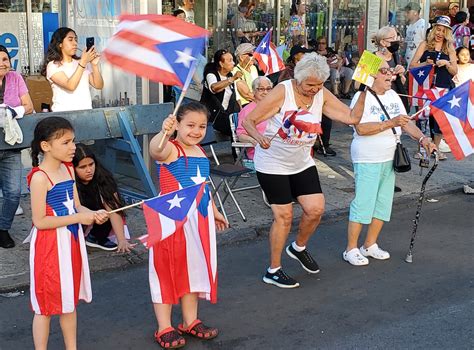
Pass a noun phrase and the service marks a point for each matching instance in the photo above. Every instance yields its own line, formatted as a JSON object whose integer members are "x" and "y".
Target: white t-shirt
{"x": 294, "y": 133}
{"x": 212, "y": 79}
{"x": 64, "y": 100}
{"x": 465, "y": 72}
{"x": 189, "y": 15}
{"x": 381, "y": 146}
{"x": 415, "y": 35}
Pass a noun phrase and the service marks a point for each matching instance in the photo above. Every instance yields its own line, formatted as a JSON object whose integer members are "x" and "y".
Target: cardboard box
{"x": 40, "y": 91}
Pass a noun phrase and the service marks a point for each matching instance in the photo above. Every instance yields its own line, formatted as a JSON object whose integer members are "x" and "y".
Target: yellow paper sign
{"x": 369, "y": 64}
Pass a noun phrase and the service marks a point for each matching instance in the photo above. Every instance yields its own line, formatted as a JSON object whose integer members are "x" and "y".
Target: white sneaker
{"x": 468, "y": 189}
{"x": 443, "y": 147}
{"x": 375, "y": 252}
{"x": 19, "y": 210}
{"x": 354, "y": 257}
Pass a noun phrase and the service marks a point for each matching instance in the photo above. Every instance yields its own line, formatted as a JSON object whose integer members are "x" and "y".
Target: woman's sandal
{"x": 199, "y": 330}
{"x": 170, "y": 338}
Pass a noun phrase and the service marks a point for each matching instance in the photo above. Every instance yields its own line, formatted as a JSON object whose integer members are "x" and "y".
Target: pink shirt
{"x": 240, "y": 129}
{"x": 15, "y": 87}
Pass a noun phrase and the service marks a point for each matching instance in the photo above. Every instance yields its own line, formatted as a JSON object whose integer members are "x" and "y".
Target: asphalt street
{"x": 428, "y": 304}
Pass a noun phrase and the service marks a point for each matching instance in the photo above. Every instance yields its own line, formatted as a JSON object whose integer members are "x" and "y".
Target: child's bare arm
{"x": 161, "y": 149}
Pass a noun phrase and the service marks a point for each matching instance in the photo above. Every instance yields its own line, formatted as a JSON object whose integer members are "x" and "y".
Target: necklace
{"x": 299, "y": 95}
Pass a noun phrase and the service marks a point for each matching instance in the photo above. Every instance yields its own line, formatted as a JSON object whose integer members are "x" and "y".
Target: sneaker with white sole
{"x": 306, "y": 260}
{"x": 280, "y": 279}
{"x": 354, "y": 257}
{"x": 374, "y": 252}
{"x": 444, "y": 147}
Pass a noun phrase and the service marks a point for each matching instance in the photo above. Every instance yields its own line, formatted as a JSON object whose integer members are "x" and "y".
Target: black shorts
{"x": 283, "y": 189}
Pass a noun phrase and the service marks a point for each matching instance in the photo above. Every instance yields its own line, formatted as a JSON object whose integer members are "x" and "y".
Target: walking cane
{"x": 409, "y": 257}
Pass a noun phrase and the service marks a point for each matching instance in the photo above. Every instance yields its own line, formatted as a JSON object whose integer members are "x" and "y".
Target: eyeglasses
{"x": 385, "y": 71}
{"x": 260, "y": 89}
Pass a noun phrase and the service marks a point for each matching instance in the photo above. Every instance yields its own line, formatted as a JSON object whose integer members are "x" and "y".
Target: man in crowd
{"x": 415, "y": 31}
{"x": 453, "y": 9}
{"x": 188, "y": 7}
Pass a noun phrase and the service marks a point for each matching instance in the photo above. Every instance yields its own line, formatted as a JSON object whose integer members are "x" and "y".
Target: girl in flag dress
{"x": 183, "y": 267}
{"x": 59, "y": 270}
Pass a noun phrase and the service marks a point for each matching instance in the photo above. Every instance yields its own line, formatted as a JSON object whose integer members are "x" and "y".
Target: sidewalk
{"x": 338, "y": 186}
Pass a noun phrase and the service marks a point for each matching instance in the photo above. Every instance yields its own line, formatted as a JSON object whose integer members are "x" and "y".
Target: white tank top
{"x": 296, "y": 131}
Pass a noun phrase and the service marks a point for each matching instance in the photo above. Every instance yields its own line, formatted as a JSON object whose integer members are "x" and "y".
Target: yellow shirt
{"x": 248, "y": 78}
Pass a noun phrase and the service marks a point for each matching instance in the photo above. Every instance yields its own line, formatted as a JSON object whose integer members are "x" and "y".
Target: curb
{"x": 104, "y": 261}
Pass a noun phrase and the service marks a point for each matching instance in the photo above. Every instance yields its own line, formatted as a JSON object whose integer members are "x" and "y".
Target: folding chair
{"x": 241, "y": 151}
{"x": 228, "y": 173}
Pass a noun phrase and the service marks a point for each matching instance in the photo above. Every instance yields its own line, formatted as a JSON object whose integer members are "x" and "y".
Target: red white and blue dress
{"x": 59, "y": 269}
{"x": 186, "y": 261}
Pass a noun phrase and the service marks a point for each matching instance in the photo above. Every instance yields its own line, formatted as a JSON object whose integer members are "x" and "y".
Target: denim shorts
{"x": 374, "y": 187}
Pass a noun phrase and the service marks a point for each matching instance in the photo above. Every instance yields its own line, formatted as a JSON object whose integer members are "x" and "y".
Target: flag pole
{"x": 181, "y": 96}
{"x": 126, "y": 207}
{"x": 411, "y": 96}
{"x": 419, "y": 112}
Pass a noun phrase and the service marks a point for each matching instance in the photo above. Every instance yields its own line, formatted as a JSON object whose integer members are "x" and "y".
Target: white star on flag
{"x": 185, "y": 57}
{"x": 198, "y": 179}
{"x": 263, "y": 45}
{"x": 69, "y": 204}
{"x": 175, "y": 202}
{"x": 454, "y": 102}
{"x": 421, "y": 73}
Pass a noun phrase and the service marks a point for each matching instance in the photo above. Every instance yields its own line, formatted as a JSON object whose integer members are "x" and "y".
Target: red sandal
{"x": 170, "y": 338}
{"x": 199, "y": 330}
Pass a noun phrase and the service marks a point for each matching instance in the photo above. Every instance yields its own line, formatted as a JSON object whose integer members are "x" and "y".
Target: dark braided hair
{"x": 103, "y": 180}
{"x": 47, "y": 129}
{"x": 54, "y": 50}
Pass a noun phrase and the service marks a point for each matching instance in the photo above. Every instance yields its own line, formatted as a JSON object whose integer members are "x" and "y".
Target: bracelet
{"x": 420, "y": 141}
{"x": 80, "y": 65}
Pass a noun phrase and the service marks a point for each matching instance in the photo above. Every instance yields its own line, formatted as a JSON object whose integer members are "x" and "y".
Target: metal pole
{"x": 29, "y": 31}
{"x": 278, "y": 23}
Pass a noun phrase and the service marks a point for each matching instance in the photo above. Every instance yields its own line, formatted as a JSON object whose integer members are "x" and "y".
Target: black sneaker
{"x": 305, "y": 259}
{"x": 5, "y": 240}
{"x": 280, "y": 279}
{"x": 329, "y": 151}
{"x": 106, "y": 244}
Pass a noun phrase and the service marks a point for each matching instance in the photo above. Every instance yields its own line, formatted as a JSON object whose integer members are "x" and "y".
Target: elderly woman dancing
{"x": 285, "y": 167}
{"x": 372, "y": 152}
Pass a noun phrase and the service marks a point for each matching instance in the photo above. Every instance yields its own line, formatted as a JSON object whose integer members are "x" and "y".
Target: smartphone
{"x": 89, "y": 43}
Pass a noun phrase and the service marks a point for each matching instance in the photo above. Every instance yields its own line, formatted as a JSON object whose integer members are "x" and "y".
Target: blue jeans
{"x": 10, "y": 182}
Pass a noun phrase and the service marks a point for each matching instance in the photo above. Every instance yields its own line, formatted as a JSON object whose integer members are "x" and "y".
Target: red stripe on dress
{"x": 47, "y": 276}
{"x": 180, "y": 264}
{"x": 76, "y": 261}
{"x": 203, "y": 224}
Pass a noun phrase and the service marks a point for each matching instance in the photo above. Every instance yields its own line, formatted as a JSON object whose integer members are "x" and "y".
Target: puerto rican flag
{"x": 419, "y": 80}
{"x": 267, "y": 56}
{"x": 161, "y": 48}
{"x": 454, "y": 113}
{"x": 299, "y": 125}
{"x": 429, "y": 96}
{"x": 166, "y": 214}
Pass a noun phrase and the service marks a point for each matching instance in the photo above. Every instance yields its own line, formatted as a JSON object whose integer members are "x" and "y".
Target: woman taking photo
{"x": 70, "y": 75}
{"x": 438, "y": 50}
{"x": 14, "y": 95}
{"x": 387, "y": 41}
{"x": 219, "y": 93}
{"x": 372, "y": 152}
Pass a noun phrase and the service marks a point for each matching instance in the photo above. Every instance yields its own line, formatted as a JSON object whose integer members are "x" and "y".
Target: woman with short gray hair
{"x": 283, "y": 158}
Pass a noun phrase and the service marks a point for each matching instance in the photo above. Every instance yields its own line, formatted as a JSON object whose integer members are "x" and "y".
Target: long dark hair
{"x": 47, "y": 129}
{"x": 103, "y": 180}
{"x": 213, "y": 67}
{"x": 54, "y": 51}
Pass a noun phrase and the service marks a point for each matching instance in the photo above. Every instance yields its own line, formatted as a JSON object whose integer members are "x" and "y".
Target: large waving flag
{"x": 419, "y": 80}
{"x": 267, "y": 56}
{"x": 161, "y": 48}
{"x": 166, "y": 214}
{"x": 454, "y": 113}
{"x": 429, "y": 96}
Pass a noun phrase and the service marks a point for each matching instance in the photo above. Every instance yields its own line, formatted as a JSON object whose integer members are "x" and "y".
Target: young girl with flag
{"x": 59, "y": 270}
{"x": 183, "y": 266}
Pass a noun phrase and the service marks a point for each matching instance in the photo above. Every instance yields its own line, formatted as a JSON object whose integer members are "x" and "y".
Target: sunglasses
{"x": 321, "y": 43}
{"x": 385, "y": 71}
{"x": 249, "y": 54}
{"x": 260, "y": 89}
